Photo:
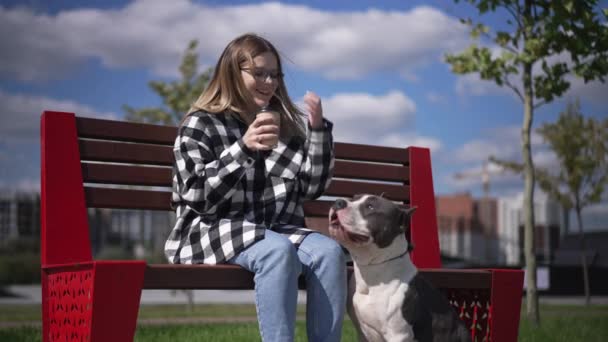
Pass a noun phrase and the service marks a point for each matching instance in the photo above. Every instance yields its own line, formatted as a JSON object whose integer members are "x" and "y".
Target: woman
{"x": 239, "y": 184}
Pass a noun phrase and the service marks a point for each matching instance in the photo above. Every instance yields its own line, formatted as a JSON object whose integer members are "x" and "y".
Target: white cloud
{"x": 20, "y": 134}
{"x": 503, "y": 143}
{"x": 20, "y": 119}
{"x": 153, "y": 34}
{"x": 374, "y": 119}
{"x": 384, "y": 110}
{"x": 478, "y": 151}
{"x": 404, "y": 140}
{"x": 472, "y": 84}
{"x": 26, "y": 185}
{"x": 593, "y": 91}
{"x": 434, "y": 97}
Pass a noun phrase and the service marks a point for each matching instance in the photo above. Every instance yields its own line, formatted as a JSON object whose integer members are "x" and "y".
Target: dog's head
{"x": 368, "y": 219}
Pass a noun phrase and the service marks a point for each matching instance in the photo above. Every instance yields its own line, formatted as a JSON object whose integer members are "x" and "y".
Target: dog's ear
{"x": 405, "y": 215}
{"x": 410, "y": 210}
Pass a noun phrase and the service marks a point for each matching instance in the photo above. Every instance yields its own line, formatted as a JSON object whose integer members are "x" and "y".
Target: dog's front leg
{"x": 406, "y": 335}
{"x": 352, "y": 282}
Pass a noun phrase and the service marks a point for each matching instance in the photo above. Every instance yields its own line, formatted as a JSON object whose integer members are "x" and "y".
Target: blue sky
{"x": 377, "y": 66}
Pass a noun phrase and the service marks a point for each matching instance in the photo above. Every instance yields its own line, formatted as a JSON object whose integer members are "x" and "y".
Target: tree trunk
{"x": 581, "y": 238}
{"x": 529, "y": 248}
{"x": 566, "y": 217}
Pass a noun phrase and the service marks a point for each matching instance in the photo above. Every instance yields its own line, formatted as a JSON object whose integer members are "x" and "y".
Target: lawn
{"x": 559, "y": 323}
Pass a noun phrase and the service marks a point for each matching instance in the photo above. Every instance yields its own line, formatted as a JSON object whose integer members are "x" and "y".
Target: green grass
{"x": 221, "y": 332}
{"x": 21, "y": 334}
{"x": 32, "y": 313}
{"x": 567, "y": 323}
{"x": 244, "y": 332}
{"x": 558, "y": 323}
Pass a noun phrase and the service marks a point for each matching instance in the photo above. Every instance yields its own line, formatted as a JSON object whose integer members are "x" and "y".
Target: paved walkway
{"x": 31, "y": 294}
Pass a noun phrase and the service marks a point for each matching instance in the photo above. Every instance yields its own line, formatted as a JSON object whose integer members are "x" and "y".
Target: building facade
{"x": 19, "y": 215}
{"x": 489, "y": 231}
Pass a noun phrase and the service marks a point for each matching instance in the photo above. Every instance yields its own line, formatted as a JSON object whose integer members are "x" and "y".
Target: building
{"x": 489, "y": 231}
{"x": 548, "y": 219}
{"x": 19, "y": 215}
{"x": 467, "y": 228}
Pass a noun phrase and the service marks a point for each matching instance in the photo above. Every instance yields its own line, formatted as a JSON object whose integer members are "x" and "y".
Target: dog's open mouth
{"x": 334, "y": 222}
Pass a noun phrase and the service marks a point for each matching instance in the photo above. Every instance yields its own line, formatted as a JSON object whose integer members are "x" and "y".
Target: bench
{"x": 93, "y": 163}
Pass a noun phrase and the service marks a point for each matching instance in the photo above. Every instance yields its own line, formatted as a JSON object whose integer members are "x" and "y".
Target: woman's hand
{"x": 315, "y": 111}
{"x": 261, "y": 131}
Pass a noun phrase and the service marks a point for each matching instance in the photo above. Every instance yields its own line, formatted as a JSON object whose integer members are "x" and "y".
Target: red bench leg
{"x": 97, "y": 301}
{"x": 507, "y": 286}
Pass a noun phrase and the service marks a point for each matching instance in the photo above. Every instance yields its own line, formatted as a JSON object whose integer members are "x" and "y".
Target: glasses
{"x": 262, "y": 75}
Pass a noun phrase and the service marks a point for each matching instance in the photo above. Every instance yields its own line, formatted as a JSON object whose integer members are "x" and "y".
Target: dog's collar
{"x": 388, "y": 260}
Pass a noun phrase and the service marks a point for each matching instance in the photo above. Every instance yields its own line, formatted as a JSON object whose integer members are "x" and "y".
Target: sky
{"x": 377, "y": 65}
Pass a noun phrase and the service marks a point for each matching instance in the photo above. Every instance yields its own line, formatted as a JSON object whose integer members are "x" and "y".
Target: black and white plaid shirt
{"x": 225, "y": 195}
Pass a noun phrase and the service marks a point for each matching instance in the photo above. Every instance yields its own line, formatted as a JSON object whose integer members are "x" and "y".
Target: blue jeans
{"x": 277, "y": 264}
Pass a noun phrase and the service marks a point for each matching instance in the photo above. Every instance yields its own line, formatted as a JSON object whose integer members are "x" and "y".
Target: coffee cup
{"x": 276, "y": 117}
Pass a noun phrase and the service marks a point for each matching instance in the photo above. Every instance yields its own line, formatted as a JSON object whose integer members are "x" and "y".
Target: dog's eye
{"x": 370, "y": 206}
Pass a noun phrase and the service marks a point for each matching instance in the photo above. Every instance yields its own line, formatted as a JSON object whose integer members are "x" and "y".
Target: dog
{"x": 387, "y": 298}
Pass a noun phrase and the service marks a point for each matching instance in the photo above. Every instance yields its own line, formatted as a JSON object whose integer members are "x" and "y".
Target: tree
{"x": 581, "y": 147}
{"x": 553, "y": 38}
{"x": 177, "y": 95}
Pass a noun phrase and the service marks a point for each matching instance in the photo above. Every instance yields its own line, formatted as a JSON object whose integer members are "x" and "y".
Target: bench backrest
{"x": 94, "y": 163}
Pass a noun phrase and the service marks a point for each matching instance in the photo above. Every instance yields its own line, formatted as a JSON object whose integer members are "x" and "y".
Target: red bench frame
{"x": 98, "y": 300}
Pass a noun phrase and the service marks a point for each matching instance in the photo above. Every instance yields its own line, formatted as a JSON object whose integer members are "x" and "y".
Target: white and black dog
{"x": 388, "y": 299}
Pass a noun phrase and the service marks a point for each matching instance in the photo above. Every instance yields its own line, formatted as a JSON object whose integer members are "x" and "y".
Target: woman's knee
{"x": 279, "y": 253}
{"x": 326, "y": 250}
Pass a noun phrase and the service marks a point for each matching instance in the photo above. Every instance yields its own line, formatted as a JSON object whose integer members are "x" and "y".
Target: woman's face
{"x": 262, "y": 78}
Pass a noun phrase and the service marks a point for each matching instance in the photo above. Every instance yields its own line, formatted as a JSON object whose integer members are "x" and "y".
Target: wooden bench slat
{"x": 126, "y": 174}
{"x": 117, "y": 152}
{"x": 127, "y": 199}
{"x": 159, "y": 200}
{"x": 163, "y": 276}
{"x": 372, "y": 153}
{"x": 320, "y": 208}
{"x": 125, "y": 131}
{"x": 317, "y": 208}
{"x": 348, "y": 169}
{"x": 445, "y": 278}
{"x": 344, "y": 188}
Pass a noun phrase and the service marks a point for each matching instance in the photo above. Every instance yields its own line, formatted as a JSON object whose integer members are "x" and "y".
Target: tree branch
{"x": 515, "y": 14}
{"x": 507, "y": 47}
{"x": 514, "y": 88}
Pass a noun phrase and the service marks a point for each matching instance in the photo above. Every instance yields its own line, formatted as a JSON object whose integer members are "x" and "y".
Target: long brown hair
{"x": 226, "y": 90}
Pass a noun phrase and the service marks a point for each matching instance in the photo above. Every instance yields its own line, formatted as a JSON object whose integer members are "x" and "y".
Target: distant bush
{"x": 19, "y": 268}
{"x": 114, "y": 252}
{"x": 21, "y": 245}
